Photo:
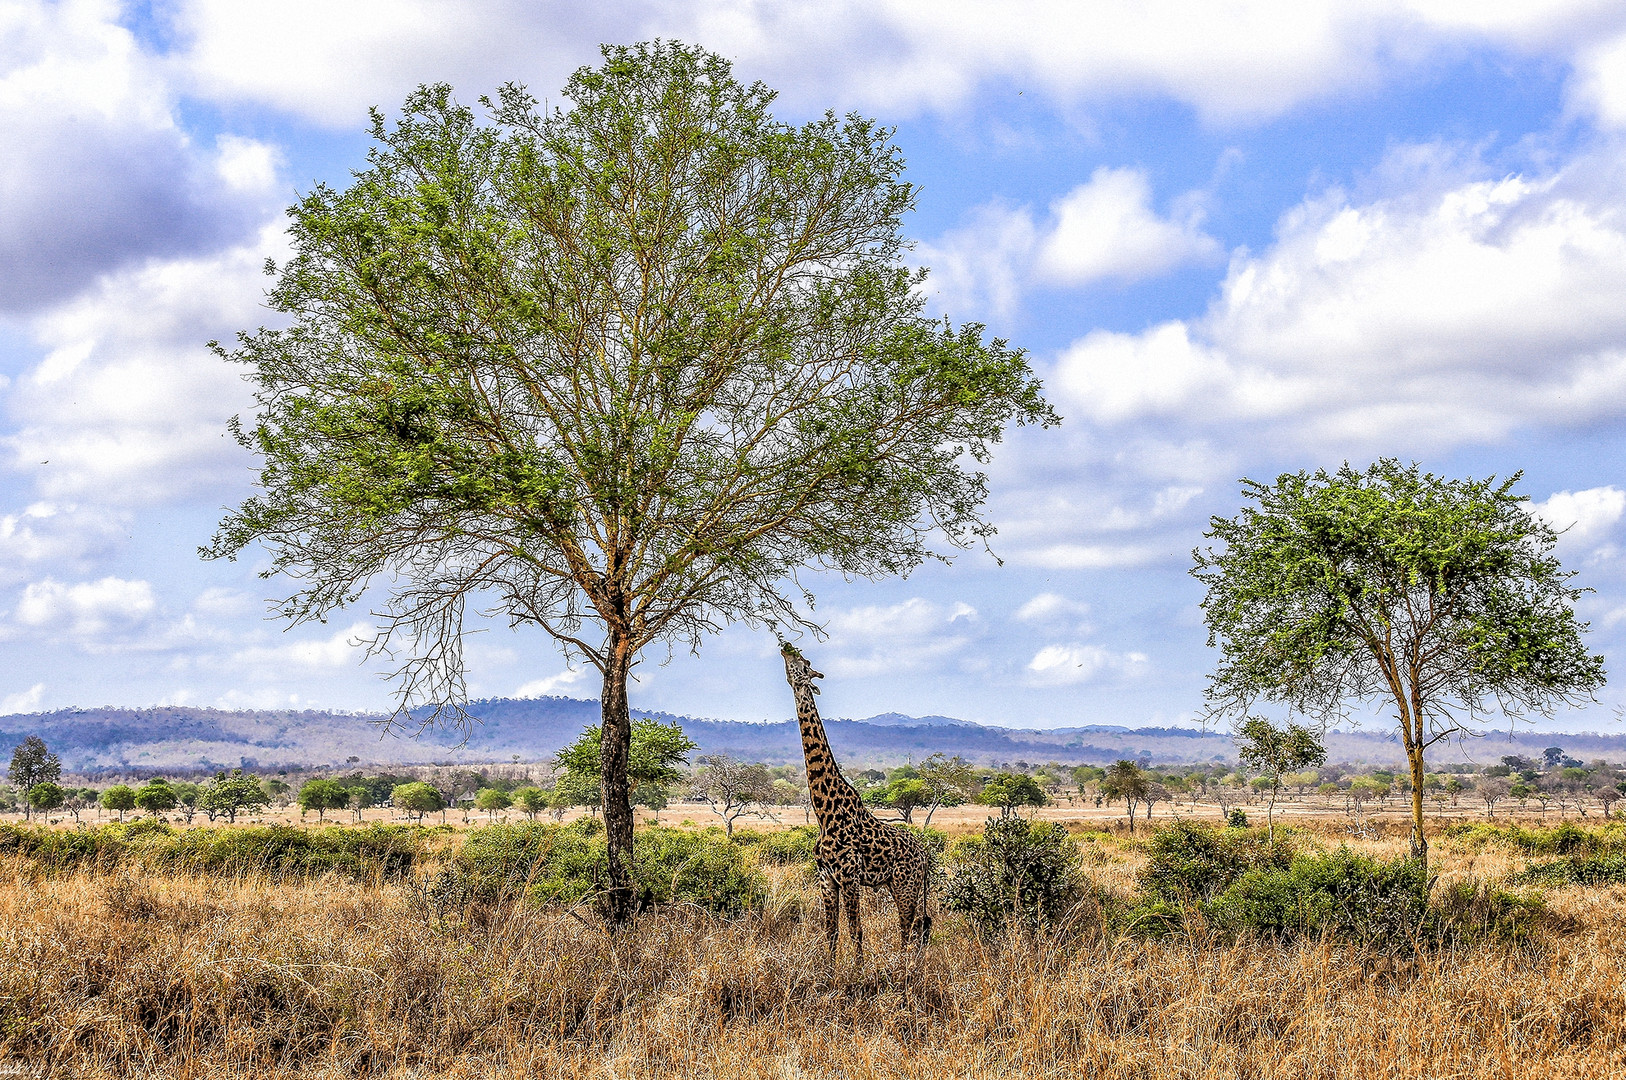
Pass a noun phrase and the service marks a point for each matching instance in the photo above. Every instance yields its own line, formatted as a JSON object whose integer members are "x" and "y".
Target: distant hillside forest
{"x": 185, "y": 739}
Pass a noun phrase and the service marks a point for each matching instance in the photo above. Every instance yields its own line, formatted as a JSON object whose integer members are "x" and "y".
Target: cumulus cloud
{"x": 1051, "y": 607}
{"x": 915, "y": 635}
{"x": 128, "y": 406}
{"x": 1108, "y": 229}
{"x": 1105, "y": 228}
{"x": 1236, "y": 62}
{"x": 1434, "y": 319}
{"x": 552, "y": 685}
{"x": 61, "y": 536}
{"x": 343, "y": 648}
{"x": 24, "y": 702}
{"x": 1070, "y": 665}
{"x": 97, "y": 172}
{"x": 86, "y": 611}
{"x": 1582, "y": 517}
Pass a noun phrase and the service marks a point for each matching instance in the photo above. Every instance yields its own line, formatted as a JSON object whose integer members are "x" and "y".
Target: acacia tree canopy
{"x": 1439, "y": 596}
{"x": 623, "y": 367}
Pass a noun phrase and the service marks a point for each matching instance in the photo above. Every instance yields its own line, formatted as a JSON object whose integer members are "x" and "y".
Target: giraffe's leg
{"x": 905, "y": 891}
{"x": 830, "y": 890}
{"x": 855, "y": 925}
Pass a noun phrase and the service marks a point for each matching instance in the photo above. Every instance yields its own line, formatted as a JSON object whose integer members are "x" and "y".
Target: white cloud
{"x": 1582, "y": 517}
{"x": 1104, "y": 228}
{"x": 25, "y": 702}
{"x": 1069, "y": 665}
{"x": 1232, "y": 62}
{"x": 128, "y": 406}
{"x": 1107, "y": 229}
{"x": 97, "y": 172}
{"x": 552, "y": 685}
{"x": 1434, "y": 319}
{"x": 915, "y": 635}
{"x": 1051, "y": 607}
{"x": 62, "y": 536}
{"x": 344, "y": 648}
{"x": 86, "y": 611}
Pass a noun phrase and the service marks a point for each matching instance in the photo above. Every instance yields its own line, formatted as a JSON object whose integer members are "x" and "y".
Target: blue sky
{"x": 1236, "y": 238}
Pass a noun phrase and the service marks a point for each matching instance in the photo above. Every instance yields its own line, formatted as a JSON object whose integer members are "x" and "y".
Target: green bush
{"x": 1018, "y": 875}
{"x": 791, "y": 847}
{"x": 1577, "y": 870}
{"x": 1472, "y": 911}
{"x": 387, "y": 851}
{"x": 1565, "y": 838}
{"x": 1340, "y": 894}
{"x": 1189, "y": 862}
{"x": 563, "y": 864}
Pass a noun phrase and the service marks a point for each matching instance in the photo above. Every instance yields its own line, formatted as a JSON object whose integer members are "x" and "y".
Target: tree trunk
{"x": 1419, "y": 843}
{"x": 614, "y": 748}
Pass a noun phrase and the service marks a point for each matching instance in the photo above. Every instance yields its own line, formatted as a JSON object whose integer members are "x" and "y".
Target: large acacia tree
{"x": 1438, "y": 597}
{"x": 616, "y": 370}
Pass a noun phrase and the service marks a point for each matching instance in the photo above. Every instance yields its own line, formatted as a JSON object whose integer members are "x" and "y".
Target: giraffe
{"x": 855, "y": 849}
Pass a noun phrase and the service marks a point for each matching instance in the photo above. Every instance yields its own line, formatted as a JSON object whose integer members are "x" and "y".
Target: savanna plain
{"x": 119, "y": 960}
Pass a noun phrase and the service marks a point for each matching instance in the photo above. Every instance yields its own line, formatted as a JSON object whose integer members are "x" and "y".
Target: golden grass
{"x": 160, "y": 977}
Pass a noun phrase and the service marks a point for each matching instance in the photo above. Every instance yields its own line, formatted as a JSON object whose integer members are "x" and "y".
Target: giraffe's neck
{"x": 827, "y": 789}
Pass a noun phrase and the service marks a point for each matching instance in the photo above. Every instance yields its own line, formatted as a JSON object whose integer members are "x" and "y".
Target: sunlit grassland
{"x": 135, "y": 973}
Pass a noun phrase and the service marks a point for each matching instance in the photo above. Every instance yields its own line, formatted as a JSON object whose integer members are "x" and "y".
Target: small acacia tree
{"x": 32, "y": 763}
{"x": 1274, "y": 752}
{"x": 1011, "y": 790}
{"x": 418, "y": 798}
{"x": 618, "y": 369}
{"x": 156, "y": 797}
{"x": 1440, "y": 597}
{"x": 1125, "y": 780}
{"x": 46, "y": 796}
{"x": 232, "y": 793}
{"x": 493, "y": 801}
{"x": 949, "y": 781}
{"x": 733, "y": 788}
{"x": 119, "y": 798}
{"x": 323, "y": 795}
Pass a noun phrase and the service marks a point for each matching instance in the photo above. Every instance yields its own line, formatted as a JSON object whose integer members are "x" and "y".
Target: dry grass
{"x": 167, "y": 977}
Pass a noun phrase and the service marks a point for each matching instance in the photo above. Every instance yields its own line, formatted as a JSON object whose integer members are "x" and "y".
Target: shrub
{"x": 1236, "y": 819}
{"x": 788, "y": 848}
{"x": 1018, "y": 875}
{"x": 1189, "y": 862}
{"x": 563, "y": 864}
{"x": 1577, "y": 870}
{"x": 1341, "y": 894}
{"x": 378, "y": 851}
{"x": 1563, "y": 839}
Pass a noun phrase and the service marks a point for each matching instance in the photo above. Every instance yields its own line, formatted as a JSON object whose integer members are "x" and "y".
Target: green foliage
{"x": 1237, "y": 818}
{"x": 46, "y": 796}
{"x": 322, "y": 796}
{"x": 1011, "y": 790}
{"x": 1565, "y": 838}
{"x": 656, "y": 751}
{"x": 418, "y": 798}
{"x": 1577, "y": 870}
{"x": 565, "y": 864}
{"x": 1328, "y": 583}
{"x": 1188, "y": 861}
{"x": 33, "y": 763}
{"x": 155, "y": 797}
{"x": 231, "y": 793}
{"x": 492, "y": 800}
{"x": 119, "y": 797}
{"x": 278, "y": 851}
{"x": 531, "y": 800}
{"x": 1019, "y": 874}
{"x": 1340, "y": 894}
{"x": 796, "y": 846}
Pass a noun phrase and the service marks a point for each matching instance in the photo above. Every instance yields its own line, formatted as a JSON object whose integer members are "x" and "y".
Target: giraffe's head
{"x": 798, "y": 671}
